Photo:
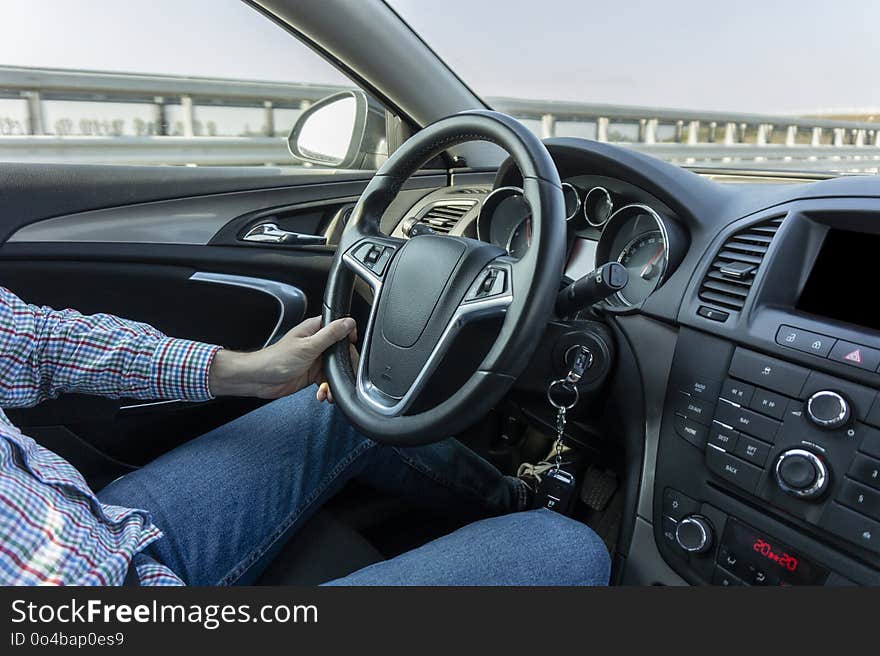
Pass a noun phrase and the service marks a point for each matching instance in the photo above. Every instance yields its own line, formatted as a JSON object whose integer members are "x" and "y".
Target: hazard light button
{"x": 856, "y": 355}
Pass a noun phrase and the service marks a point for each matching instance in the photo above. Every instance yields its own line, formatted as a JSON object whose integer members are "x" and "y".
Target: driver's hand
{"x": 289, "y": 365}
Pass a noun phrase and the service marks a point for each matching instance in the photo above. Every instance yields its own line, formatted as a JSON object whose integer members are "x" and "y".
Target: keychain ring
{"x": 564, "y": 383}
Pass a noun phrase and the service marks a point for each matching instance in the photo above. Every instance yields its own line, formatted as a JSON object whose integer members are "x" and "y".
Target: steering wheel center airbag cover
{"x": 426, "y": 284}
{"x": 422, "y": 271}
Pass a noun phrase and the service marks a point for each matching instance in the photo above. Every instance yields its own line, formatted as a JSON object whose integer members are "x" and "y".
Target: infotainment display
{"x": 843, "y": 281}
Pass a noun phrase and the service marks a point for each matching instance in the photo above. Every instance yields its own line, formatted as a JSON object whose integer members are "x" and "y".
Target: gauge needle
{"x": 648, "y": 269}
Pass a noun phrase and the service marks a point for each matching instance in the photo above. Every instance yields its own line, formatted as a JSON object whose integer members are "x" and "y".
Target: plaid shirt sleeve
{"x": 44, "y": 352}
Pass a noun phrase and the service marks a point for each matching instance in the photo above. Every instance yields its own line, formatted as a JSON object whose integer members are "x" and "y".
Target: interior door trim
{"x": 292, "y": 305}
{"x": 292, "y": 302}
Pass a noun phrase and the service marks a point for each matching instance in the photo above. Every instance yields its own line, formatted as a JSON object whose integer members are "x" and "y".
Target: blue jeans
{"x": 229, "y": 500}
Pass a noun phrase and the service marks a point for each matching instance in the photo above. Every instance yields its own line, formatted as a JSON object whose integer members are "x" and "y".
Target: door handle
{"x": 270, "y": 233}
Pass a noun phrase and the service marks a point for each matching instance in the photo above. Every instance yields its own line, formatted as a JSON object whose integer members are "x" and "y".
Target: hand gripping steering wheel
{"x": 426, "y": 288}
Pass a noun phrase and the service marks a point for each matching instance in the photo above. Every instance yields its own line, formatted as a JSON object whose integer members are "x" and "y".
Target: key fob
{"x": 556, "y": 491}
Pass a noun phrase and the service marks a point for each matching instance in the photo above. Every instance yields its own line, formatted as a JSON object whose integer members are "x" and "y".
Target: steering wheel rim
{"x": 525, "y": 297}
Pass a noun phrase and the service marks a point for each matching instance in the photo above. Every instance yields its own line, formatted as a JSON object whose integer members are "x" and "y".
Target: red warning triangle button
{"x": 854, "y": 356}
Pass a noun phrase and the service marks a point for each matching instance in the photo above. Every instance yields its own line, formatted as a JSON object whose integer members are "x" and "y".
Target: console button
{"x": 828, "y": 410}
{"x": 871, "y": 442}
{"x": 699, "y": 411}
{"x": 769, "y": 403}
{"x": 747, "y": 421}
{"x": 855, "y": 355}
{"x": 676, "y": 504}
{"x": 859, "y": 497}
{"x": 723, "y": 437}
{"x": 873, "y": 417}
{"x": 669, "y": 525}
{"x": 738, "y": 472}
{"x": 690, "y": 430}
{"x": 851, "y": 526}
{"x": 737, "y": 391}
{"x": 768, "y": 372}
{"x": 804, "y": 340}
{"x": 865, "y": 470}
{"x": 751, "y": 450}
{"x": 701, "y": 388}
{"x": 725, "y": 579}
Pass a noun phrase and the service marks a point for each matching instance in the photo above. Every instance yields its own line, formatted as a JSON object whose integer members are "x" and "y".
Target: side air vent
{"x": 443, "y": 217}
{"x": 472, "y": 190}
{"x": 733, "y": 271}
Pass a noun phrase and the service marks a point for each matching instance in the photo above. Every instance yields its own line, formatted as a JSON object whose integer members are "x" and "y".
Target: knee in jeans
{"x": 579, "y": 547}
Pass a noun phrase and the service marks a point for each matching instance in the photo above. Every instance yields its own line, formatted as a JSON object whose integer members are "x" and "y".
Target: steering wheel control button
{"x": 491, "y": 282}
{"x": 801, "y": 474}
{"x": 747, "y": 421}
{"x": 732, "y": 469}
{"x": 855, "y": 355}
{"x": 692, "y": 408}
{"x": 804, "y": 340}
{"x": 828, "y": 409}
{"x": 676, "y": 504}
{"x": 737, "y": 392}
{"x": 768, "y": 372}
{"x": 851, "y": 526}
{"x": 693, "y": 432}
{"x": 694, "y": 534}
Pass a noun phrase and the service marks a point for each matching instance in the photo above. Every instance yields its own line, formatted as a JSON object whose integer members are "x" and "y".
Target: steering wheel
{"x": 426, "y": 288}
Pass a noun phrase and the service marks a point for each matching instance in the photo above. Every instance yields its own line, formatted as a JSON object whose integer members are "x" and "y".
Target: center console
{"x": 768, "y": 463}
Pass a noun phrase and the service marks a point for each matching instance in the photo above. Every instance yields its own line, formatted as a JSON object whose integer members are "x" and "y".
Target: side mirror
{"x": 345, "y": 130}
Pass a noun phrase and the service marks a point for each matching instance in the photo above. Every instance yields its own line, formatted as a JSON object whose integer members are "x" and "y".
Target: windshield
{"x": 757, "y": 84}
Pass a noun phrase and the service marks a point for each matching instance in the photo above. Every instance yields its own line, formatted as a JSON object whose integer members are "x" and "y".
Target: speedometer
{"x": 648, "y": 244}
{"x": 506, "y": 220}
{"x": 645, "y": 260}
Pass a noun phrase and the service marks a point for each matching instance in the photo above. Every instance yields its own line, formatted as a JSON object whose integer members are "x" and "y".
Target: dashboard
{"x": 744, "y": 351}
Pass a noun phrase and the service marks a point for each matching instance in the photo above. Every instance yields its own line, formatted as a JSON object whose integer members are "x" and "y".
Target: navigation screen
{"x": 844, "y": 271}
{"x": 582, "y": 259}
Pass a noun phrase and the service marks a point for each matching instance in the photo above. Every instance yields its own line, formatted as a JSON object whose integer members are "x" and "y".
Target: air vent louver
{"x": 443, "y": 217}
{"x": 733, "y": 271}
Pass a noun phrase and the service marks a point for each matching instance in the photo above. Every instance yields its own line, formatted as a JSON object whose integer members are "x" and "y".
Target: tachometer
{"x": 506, "y": 220}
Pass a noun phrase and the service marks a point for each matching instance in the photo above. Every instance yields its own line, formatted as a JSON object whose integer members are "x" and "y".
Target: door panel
{"x": 164, "y": 247}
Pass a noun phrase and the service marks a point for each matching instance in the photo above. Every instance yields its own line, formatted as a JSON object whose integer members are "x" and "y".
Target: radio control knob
{"x": 694, "y": 534}
{"x": 801, "y": 473}
{"x": 828, "y": 409}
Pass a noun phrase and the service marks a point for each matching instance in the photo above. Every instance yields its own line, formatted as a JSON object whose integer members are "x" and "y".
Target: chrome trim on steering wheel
{"x": 466, "y": 312}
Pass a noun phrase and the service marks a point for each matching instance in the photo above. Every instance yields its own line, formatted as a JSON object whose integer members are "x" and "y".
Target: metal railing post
{"x": 548, "y": 126}
{"x": 741, "y": 136}
{"x": 186, "y": 106}
{"x": 679, "y": 131}
{"x": 693, "y": 133}
{"x": 268, "y": 118}
{"x": 791, "y": 135}
{"x": 713, "y": 127}
{"x": 838, "y": 137}
{"x": 36, "y": 122}
{"x": 761, "y": 137}
{"x": 729, "y": 134}
{"x": 816, "y": 139}
{"x": 651, "y": 131}
{"x": 159, "y": 117}
{"x": 602, "y": 128}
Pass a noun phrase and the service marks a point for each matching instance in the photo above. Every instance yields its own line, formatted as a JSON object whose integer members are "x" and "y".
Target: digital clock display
{"x": 781, "y": 558}
{"x": 758, "y": 558}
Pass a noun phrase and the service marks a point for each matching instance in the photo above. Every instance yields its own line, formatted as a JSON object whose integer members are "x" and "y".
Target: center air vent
{"x": 733, "y": 270}
{"x": 443, "y": 217}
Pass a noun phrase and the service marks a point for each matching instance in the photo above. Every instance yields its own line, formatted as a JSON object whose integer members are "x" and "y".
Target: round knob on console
{"x": 828, "y": 409}
{"x": 801, "y": 473}
{"x": 694, "y": 534}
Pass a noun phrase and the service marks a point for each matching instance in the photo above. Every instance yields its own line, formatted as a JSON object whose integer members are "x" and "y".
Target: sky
{"x": 748, "y": 55}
